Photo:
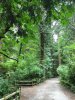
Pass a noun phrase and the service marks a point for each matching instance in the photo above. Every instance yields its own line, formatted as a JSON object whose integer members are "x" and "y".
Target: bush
{"x": 36, "y": 72}
{"x": 63, "y": 71}
{"x": 9, "y": 64}
{"x": 25, "y": 74}
{"x": 49, "y": 74}
{"x": 18, "y": 74}
{"x": 67, "y": 76}
{"x": 5, "y": 87}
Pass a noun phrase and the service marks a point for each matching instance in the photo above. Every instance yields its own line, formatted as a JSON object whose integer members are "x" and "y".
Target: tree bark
{"x": 41, "y": 44}
{"x": 59, "y": 52}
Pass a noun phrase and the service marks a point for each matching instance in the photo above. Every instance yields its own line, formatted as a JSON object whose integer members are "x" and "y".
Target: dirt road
{"x": 49, "y": 90}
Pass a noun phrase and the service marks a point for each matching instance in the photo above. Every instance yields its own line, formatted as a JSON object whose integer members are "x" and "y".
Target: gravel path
{"x": 49, "y": 90}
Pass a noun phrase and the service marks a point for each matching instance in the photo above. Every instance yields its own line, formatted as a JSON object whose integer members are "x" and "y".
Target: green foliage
{"x": 36, "y": 72}
{"x": 63, "y": 11}
{"x": 5, "y": 87}
{"x": 25, "y": 74}
{"x": 67, "y": 72}
{"x": 21, "y": 39}
{"x": 67, "y": 75}
{"x": 9, "y": 65}
{"x": 63, "y": 71}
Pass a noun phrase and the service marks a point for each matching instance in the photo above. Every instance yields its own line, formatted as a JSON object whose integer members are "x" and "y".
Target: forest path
{"x": 49, "y": 90}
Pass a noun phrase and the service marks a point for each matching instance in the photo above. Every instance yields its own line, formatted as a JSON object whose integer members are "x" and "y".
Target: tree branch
{"x": 8, "y": 56}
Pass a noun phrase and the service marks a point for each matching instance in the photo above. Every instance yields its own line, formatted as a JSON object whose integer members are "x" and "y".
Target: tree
{"x": 53, "y": 9}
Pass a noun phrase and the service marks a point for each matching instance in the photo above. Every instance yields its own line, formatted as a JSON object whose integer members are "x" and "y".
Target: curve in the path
{"x": 49, "y": 90}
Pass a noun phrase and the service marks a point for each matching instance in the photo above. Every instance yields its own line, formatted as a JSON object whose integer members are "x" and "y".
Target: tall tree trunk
{"x": 42, "y": 48}
{"x": 45, "y": 56}
{"x": 1, "y": 57}
{"x": 42, "y": 39}
{"x": 59, "y": 52}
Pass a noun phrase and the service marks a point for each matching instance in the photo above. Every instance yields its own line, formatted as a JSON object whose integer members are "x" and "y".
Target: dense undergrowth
{"x": 67, "y": 71}
{"x": 10, "y": 75}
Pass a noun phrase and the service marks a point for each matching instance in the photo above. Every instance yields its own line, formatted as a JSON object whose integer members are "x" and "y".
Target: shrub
{"x": 67, "y": 75}
{"x": 63, "y": 71}
{"x": 26, "y": 73}
{"x": 5, "y": 87}
{"x": 36, "y": 72}
{"x": 9, "y": 64}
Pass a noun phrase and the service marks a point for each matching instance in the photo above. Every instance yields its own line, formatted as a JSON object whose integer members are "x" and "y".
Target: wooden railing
{"x": 16, "y": 94}
{"x": 11, "y": 95}
{"x": 26, "y": 83}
